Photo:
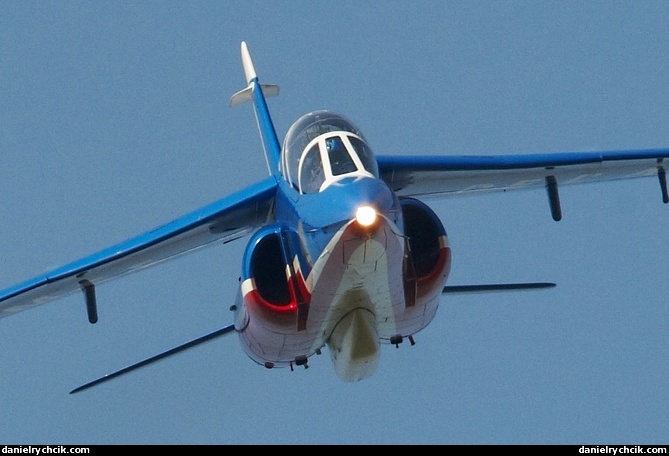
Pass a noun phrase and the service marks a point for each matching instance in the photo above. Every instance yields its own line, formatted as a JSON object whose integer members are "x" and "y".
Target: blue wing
{"x": 425, "y": 176}
{"x": 225, "y": 220}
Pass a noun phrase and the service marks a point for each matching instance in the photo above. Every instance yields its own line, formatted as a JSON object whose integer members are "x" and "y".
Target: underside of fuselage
{"x": 359, "y": 293}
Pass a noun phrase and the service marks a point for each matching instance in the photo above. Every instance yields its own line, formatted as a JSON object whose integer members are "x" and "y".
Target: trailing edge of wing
{"x": 224, "y": 220}
{"x": 460, "y": 174}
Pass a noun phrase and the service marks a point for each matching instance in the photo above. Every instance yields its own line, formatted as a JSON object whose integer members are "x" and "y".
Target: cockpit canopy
{"x": 322, "y": 148}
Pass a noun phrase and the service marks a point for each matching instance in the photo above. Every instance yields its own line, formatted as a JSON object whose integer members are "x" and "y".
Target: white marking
{"x": 249, "y": 70}
{"x": 364, "y": 281}
{"x": 248, "y": 286}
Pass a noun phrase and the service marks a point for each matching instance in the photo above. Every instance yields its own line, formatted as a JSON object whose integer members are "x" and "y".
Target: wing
{"x": 425, "y": 176}
{"x": 225, "y": 220}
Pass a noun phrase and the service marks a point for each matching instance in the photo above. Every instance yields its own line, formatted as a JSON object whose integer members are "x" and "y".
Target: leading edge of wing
{"x": 225, "y": 220}
{"x": 434, "y": 175}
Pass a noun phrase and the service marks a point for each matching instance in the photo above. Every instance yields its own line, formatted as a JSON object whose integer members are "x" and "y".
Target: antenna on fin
{"x": 256, "y": 93}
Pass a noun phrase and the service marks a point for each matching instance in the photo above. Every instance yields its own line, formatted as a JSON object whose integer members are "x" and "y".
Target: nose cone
{"x": 341, "y": 202}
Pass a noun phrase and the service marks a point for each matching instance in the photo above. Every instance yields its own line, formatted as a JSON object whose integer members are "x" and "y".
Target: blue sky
{"x": 114, "y": 119}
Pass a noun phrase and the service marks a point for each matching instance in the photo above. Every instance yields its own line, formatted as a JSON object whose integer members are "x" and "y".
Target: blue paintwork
{"x": 270, "y": 140}
{"x": 335, "y": 204}
{"x": 319, "y": 216}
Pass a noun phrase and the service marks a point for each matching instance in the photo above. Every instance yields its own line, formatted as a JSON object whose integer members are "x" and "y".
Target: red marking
{"x": 439, "y": 272}
{"x": 283, "y": 314}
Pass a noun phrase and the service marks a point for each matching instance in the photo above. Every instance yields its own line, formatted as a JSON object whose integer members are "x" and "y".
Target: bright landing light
{"x": 366, "y": 215}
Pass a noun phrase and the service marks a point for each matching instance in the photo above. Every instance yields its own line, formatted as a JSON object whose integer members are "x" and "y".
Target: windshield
{"x": 323, "y": 147}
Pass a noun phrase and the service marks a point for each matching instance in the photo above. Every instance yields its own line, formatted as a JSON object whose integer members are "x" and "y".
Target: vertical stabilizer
{"x": 256, "y": 93}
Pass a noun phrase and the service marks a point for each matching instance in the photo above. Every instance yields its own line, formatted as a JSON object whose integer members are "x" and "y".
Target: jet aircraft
{"x": 343, "y": 250}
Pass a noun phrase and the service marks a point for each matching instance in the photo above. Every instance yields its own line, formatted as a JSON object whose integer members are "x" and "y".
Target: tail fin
{"x": 257, "y": 93}
{"x": 246, "y": 95}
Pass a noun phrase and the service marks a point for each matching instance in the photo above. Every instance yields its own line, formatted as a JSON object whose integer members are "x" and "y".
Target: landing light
{"x": 366, "y": 215}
